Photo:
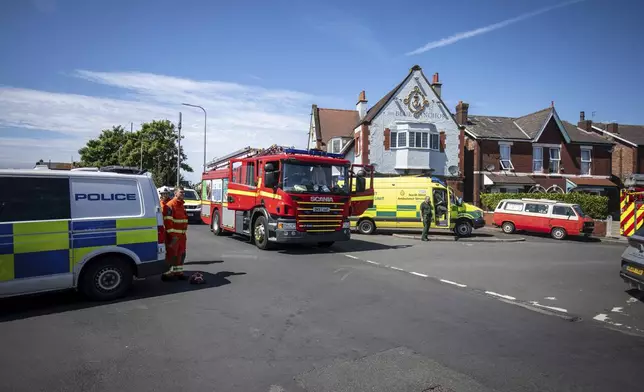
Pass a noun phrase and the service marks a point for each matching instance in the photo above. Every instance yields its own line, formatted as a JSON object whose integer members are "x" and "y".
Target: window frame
{"x": 393, "y": 139}
{"x": 551, "y": 160}
{"x": 589, "y": 162}
{"x": 525, "y": 208}
{"x": 358, "y": 149}
{"x": 510, "y": 166}
{"x": 425, "y": 136}
{"x": 535, "y": 160}
{"x": 566, "y": 215}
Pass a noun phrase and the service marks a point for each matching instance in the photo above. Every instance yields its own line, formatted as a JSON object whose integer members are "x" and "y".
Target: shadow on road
{"x": 577, "y": 239}
{"x": 208, "y": 262}
{"x": 18, "y": 308}
{"x": 636, "y": 294}
{"x": 353, "y": 245}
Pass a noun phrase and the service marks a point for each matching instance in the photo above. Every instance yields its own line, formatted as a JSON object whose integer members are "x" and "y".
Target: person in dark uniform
{"x": 426, "y": 216}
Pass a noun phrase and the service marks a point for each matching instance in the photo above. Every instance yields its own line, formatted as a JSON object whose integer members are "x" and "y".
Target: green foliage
{"x": 592, "y": 205}
{"x": 117, "y": 146}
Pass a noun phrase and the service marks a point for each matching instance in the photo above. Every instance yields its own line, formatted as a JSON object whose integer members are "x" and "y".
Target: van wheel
{"x": 558, "y": 233}
{"x": 216, "y": 225}
{"x": 463, "y": 228}
{"x": 260, "y": 233}
{"x": 106, "y": 278}
{"x": 366, "y": 226}
{"x": 508, "y": 227}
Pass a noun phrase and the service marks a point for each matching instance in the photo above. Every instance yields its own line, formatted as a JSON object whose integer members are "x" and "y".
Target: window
{"x": 586, "y": 160}
{"x": 358, "y": 149}
{"x": 537, "y": 159}
{"x": 555, "y": 159}
{"x": 86, "y": 191}
{"x": 393, "y": 139}
{"x": 536, "y": 208}
{"x": 500, "y": 205}
{"x": 513, "y": 206}
{"x": 402, "y": 139}
{"x": 434, "y": 141}
{"x": 236, "y": 171}
{"x": 418, "y": 139}
{"x": 506, "y": 162}
{"x": 249, "y": 179}
{"x": 562, "y": 211}
{"x": 24, "y": 198}
{"x": 335, "y": 146}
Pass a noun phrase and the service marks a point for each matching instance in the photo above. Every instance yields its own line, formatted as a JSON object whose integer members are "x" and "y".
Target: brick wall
{"x": 623, "y": 160}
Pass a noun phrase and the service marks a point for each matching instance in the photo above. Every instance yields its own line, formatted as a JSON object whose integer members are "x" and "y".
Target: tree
{"x": 153, "y": 147}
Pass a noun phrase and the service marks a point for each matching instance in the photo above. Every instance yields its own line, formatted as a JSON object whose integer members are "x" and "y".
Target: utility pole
{"x": 205, "y": 128}
{"x": 179, "y": 154}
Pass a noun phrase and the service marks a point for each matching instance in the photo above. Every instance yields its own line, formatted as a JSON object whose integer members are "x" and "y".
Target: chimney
{"x": 586, "y": 125}
{"x": 612, "y": 127}
{"x": 361, "y": 106}
{"x": 436, "y": 85}
{"x": 461, "y": 112}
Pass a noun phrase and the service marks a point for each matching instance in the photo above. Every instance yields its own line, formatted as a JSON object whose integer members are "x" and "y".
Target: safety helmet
{"x": 197, "y": 278}
{"x": 164, "y": 190}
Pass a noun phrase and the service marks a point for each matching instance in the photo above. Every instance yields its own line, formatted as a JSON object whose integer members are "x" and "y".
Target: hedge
{"x": 592, "y": 205}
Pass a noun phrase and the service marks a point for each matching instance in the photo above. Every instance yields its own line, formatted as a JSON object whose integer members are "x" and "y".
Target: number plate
{"x": 191, "y": 214}
{"x": 321, "y": 209}
{"x": 634, "y": 270}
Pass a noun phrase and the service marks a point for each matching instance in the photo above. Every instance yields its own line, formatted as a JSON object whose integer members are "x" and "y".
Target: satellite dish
{"x": 489, "y": 167}
{"x": 453, "y": 170}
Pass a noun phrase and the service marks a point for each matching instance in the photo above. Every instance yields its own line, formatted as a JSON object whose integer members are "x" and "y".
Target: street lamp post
{"x": 205, "y": 120}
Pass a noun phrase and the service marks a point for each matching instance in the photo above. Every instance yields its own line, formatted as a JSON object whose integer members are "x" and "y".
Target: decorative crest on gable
{"x": 416, "y": 102}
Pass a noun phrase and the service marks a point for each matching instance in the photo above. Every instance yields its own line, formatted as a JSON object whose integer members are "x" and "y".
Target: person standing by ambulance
{"x": 177, "y": 234}
{"x": 166, "y": 211}
{"x": 426, "y": 217}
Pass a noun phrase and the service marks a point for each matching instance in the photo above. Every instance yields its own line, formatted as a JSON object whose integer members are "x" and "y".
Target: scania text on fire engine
{"x": 282, "y": 195}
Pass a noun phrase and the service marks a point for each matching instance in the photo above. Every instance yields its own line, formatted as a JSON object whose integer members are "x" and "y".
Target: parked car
{"x": 632, "y": 271}
{"x": 542, "y": 216}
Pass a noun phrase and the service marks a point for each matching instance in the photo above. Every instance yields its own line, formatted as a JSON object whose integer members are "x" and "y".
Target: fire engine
{"x": 285, "y": 195}
{"x": 632, "y": 205}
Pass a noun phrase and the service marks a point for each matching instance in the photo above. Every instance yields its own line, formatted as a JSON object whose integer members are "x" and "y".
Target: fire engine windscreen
{"x": 315, "y": 178}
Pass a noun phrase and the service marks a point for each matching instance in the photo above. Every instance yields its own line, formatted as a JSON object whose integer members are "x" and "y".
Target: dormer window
{"x": 334, "y": 146}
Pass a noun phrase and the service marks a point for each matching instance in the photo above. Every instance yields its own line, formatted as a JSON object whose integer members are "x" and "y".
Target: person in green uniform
{"x": 426, "y": 216}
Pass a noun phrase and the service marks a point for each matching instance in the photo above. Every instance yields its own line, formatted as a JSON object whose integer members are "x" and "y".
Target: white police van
{"x": 89, "y": 229}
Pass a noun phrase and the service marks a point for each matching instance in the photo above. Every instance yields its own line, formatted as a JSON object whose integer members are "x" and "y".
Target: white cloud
{"x": 483, "y": 30}
{"x": 238, "y": 115}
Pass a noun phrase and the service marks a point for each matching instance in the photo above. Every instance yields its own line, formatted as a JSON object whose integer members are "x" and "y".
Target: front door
{"x": 361, "y": 188}
{"x": 441, "y": 204}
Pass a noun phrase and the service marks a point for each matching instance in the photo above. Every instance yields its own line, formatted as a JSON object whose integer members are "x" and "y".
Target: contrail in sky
{"x": 482, "y": 30}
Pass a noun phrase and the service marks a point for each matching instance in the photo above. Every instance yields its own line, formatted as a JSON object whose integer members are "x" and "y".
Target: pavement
{"x": 378, "y": 313}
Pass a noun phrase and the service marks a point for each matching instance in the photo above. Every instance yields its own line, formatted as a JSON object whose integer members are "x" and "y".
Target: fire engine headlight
{"x": 286, "y": 226}
{"x": 346, "y": 225}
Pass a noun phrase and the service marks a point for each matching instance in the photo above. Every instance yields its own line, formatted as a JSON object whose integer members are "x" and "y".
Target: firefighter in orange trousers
{"x": 177, "y": 234}
{"x": 166, "y": 211}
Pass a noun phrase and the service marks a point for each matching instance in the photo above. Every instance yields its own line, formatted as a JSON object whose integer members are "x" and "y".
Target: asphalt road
{"x": 296, "y": 320}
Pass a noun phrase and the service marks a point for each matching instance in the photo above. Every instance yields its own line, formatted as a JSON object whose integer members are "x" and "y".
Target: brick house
{"x": 628, "y": 155}
{"x": 537, "y": 152}
{"x": 408, "y": 131}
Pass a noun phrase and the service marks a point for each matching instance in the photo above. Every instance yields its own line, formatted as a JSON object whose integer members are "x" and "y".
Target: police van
{"x": 87, "y": 229}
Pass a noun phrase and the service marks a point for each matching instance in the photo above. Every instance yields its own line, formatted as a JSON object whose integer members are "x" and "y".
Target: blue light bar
{"x": 313, "y": 152}
{"x": 436, "y": 179}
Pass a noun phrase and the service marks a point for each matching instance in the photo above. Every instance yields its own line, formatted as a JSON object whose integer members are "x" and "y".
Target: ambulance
{"x": 397, "y": 207}
{"x": 191, "y": 202}
{"x": 88, "y": 229}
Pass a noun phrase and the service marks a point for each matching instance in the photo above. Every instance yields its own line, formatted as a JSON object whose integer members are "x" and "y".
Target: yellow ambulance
{"x": 397, "y": 207}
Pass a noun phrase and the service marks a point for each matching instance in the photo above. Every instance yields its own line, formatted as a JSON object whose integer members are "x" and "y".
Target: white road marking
{"x": 352, "y": 257}
{"x": 395, "y": 268}
{"x": 454, "y": 283}
{"x": 276, "y": 388}
{"x": 617, "y": 309}
{"x": 500, "y": 295}
{"x": 631, "y": 300}
{"x": 535, "y": 303}
{"x": 601, "y": 317}
{"x": 550, "y": 298}
{"x": 345, "y": 276}
{"x": 419, "y": 274}
{"x": 372, "y": 262}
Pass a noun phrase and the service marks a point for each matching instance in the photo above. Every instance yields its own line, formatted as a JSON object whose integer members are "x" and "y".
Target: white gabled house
{"x": 409, "y": 131}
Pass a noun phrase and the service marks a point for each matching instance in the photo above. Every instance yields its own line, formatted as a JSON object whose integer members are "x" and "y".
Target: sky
{"x": 70, "y": 68}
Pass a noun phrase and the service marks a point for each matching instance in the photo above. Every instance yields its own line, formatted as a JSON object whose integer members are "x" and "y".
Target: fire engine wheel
{"x": 508, "y": 227}
{"x": 366, "y": 226}
{"x": 106, "y": 278}
{"x": 558, "y": 233}
{"x": 216, "y": 227}
{"x": 260, "y": 233}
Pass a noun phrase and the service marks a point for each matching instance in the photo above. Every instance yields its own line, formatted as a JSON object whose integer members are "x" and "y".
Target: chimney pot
{"x": 362, "y": 97}
{"x": 361, "y": 106}
{"x": 436, "y": 85}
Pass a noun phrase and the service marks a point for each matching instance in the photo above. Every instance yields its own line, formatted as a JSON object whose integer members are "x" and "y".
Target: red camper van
{"x": 542, "y": 216}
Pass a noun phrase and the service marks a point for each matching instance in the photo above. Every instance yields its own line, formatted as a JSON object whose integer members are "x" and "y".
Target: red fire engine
{"x": 284, "y": 195}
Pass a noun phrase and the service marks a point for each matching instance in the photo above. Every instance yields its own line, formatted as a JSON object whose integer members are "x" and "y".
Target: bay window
{"x": 555, "y": 160}
{"x": 414, "y": 139}
{"x": 586, "y": 160}
{"x": 537, "y": 159}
